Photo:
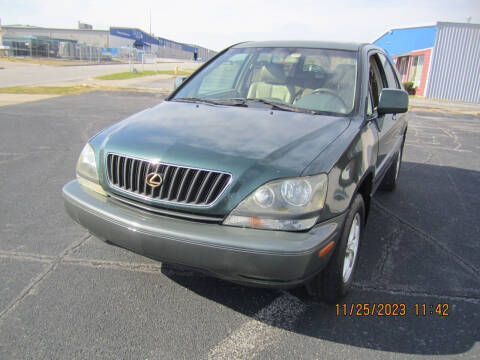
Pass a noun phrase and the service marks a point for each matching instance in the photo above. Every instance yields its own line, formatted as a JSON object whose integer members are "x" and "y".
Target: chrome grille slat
{"x": 172, "y": 182}
{"x": 132, "y": 171}
{"x": 192, "y": 185}
{"x": 139, "y": 171}
{"x": 181, "y": 187}
{"x": 118, "y": 171}
{"x": 115, "y": 169}
{"x": 202, "y": 187}
{"x": 137, "y": 177}
{"x": 123, "y": 180}
{"x": 163, "y": 192}
{"x": 213, "y": 187}
{"x": 147, "y": 170}
{"x": 181, "y": 184}
{"x": 125, "y": 165}
{"x": 142, "y": 177}
{"x": 174, "y": 196}
{"x": 110, "y": 167}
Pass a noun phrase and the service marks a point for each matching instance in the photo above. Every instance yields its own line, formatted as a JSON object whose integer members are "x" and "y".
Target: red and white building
{"x": 442, "y": 60}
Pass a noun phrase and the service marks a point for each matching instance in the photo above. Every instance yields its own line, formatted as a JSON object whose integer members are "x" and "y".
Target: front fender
{"x": 354, "y": 164}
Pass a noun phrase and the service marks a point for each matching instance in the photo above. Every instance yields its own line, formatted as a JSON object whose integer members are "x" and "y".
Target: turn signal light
{"x": 326, "y": 249}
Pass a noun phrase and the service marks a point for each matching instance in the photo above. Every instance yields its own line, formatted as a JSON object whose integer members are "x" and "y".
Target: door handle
{"x": 394, "y": 116}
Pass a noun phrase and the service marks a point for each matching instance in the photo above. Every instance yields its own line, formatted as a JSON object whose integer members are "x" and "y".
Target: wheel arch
{"x": 364, "y": 188}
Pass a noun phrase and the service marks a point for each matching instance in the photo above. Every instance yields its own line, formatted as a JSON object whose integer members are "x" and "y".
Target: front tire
{"x": 335, "y": 281}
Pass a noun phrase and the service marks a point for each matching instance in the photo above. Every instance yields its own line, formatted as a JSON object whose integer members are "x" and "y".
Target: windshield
{"x": 315, "y": 80}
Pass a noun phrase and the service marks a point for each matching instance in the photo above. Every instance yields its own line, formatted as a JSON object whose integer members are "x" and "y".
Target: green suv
{"x": 259, "y": 168}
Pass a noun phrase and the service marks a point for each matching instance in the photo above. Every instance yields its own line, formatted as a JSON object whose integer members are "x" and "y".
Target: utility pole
{"x": 150, "y": 22}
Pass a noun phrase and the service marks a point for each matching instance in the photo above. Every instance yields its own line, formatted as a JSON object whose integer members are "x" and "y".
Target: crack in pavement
{"x": 378, "y": 273}
{"x": 100, "y": 263}
{"x": 396, "y": 292}
{"x": 432, "y": 240}
{"x": 115, "y": 265}
{"x": 161, "y": 268}
{"x": 26, "y": 256}
{"x": 30, "y": 289}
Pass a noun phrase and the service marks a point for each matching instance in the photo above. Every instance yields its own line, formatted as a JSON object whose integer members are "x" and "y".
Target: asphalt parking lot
{"x": 65, "y": 294}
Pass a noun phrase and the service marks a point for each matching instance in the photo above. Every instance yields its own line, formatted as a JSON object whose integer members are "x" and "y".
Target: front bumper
{"x": 256, "y": 257}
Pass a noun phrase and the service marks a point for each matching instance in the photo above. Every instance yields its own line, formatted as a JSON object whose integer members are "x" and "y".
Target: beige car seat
{"x": 271, "y": 84}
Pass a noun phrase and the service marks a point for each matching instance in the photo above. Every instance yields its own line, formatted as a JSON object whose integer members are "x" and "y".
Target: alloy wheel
{"x": 351, "y": 251}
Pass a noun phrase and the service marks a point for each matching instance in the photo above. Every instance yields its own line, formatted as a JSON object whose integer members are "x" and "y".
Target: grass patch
{"x": 46, "y": 90}
{"x": 179, "y": 72}
{"x": 131, "y": 75}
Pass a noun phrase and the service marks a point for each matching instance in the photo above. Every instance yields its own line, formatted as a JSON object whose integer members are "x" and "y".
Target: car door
{"x": 388, "y": 131}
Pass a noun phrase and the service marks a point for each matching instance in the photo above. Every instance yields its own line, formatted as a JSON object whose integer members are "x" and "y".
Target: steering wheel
{"x": 330, "y": 92}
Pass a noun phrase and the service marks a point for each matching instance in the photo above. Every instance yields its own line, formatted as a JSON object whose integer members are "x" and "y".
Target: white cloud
{"x": 217, "y": 23}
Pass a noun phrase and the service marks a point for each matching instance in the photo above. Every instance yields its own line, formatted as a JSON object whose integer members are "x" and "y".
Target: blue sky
{"x": 218, "y": 23}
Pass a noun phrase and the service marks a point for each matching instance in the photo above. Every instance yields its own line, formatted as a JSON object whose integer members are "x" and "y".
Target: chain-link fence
{"x": 53, "y": 48}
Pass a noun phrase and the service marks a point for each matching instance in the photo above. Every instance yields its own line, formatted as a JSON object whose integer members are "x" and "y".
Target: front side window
{"x": 316, "y": 80}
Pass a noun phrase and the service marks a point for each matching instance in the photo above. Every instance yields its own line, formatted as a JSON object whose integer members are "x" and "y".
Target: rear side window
{"x": 389, "y": 72}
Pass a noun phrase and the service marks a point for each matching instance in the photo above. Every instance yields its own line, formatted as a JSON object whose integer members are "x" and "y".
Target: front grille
{"x": 183, "y": 185}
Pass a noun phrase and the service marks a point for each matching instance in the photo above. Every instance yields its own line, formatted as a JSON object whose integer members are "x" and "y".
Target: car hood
{"x": 253, "y": 144}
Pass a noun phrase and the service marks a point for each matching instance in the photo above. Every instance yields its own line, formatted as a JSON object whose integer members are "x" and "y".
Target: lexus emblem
{"x": 154, "y": 180}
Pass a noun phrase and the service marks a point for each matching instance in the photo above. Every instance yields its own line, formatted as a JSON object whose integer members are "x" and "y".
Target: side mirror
{"x": 179, "y": 81}
{"x": 392, "y": 101}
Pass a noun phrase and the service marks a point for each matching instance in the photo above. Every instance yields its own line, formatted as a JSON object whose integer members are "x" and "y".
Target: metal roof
{"x": 405, "y": 40}
{"x": 403, "y": 28}
{"x": 302, "y": 44}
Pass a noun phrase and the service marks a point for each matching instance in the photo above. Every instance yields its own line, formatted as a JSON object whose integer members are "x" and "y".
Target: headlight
{"x": 287, "y": 204}
{"x": 296, "y": 192}
{"x": 87, "y": 174}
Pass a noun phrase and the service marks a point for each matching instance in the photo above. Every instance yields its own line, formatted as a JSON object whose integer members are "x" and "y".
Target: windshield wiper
{"x": 281, "y": 106}
{"x": 243, "y": 102}
{"x": 228, "y": 102}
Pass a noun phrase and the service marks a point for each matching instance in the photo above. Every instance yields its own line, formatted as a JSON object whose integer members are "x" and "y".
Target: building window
{"x": 416, "y": 70}
{"x": 402, "y": 67}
